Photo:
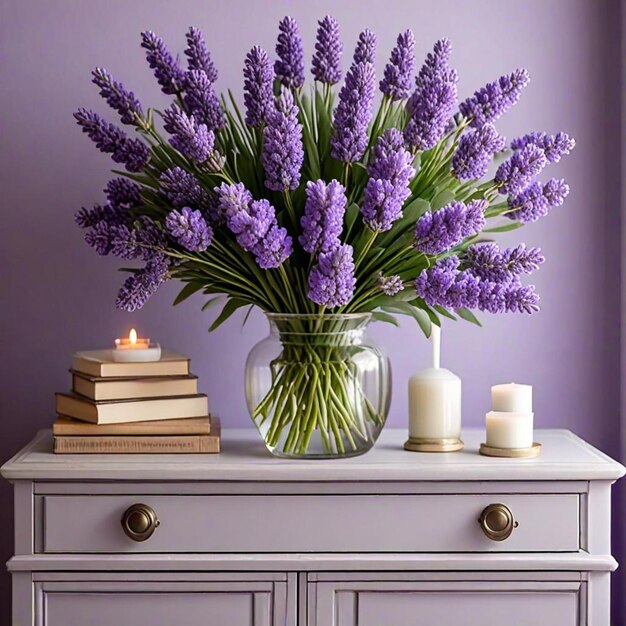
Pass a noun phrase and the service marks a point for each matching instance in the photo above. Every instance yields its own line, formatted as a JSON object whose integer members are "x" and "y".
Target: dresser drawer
{"x": 309, "y": 523}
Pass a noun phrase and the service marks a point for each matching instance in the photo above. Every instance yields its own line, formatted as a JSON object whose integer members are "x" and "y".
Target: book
{"x": 133, "y": 388}
{"x": 115, "y": 411}
{"x": 66, "y": 426}
{"x": 139, "y": 444}
{"x": 100, "y": 363}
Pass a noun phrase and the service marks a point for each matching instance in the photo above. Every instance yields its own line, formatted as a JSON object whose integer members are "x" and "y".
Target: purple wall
{"x": 58, "y": 296}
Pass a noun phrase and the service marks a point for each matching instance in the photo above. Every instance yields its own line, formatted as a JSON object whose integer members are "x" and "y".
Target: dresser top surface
{"x": 564, "y": 456}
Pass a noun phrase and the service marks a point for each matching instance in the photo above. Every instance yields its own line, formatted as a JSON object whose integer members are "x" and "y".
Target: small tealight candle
{"x": 509, "y": 430}
{"x": 135, "y": 349}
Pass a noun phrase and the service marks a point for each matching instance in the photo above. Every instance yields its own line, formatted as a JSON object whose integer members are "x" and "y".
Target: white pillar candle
{"x": 434, "y": 404}
{"x": 512, "y": 398}
{"x": 509, "y": 429}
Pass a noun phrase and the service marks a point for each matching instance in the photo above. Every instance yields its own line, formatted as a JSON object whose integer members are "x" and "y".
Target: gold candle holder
{"x": 511, "y": 453}
{"x": 428, "y": 444}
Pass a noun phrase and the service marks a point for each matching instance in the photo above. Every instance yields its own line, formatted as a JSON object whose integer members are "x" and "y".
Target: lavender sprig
{"x": 326, "y": 63}
{"x": 202, "y": 102}
{"x": 193, "y": 140}
{"x": 390, "y": 285}
{"x": 289, "y": 67}
{"x": 181, "y": 189}
{"x": 189, "y": 229}
{"x": 198, "y": 55}
{"x": 283, "y": 153}
{"x": 489, "y": 262}
{"x": 494, "y": 99}
{"x": 322, "y": 221}
{"x": 353, "y": 114}
{"x": 518, "y": 171}
{"x": 365, "y": 50}
{"x": 439, "y": 231}
{"x": 166, "y": 69}
{"x": 475, "y": 152}
{"x": 332, "y": 281}
{"x": 432, "y": 104}
{"x": 390, "y": 172}
{"x": 142, "y": 285}
{"x": 536, "y": 200}
{"x": 396, "y": 82}
{"x": 118, "y": 98}
{"x": 258, "y": 95}
{"x": 553, "y": 146}
{"x": 133, "y": 153}
{"x": 123, "y": 192}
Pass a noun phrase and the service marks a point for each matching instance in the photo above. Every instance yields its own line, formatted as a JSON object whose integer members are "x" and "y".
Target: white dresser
{"x": 241, "y": 538}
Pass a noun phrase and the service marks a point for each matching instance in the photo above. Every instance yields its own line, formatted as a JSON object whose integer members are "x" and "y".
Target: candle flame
{"x": 132, "y": 336}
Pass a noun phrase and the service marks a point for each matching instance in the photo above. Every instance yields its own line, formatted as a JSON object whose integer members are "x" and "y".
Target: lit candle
{"x": 509, "y": 430}
{"x": 135, "y": 349}
{"x": 434, "y": 406}
{"x": 512, "y": 398}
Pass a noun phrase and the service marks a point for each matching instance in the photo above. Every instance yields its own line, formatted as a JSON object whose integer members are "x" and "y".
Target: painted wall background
{"x": 57, "y": 296}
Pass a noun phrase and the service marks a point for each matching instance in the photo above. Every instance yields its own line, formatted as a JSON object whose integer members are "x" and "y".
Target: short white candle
{"x": 512, "y": 398}
{"x": 435, "y": 400}
{"x": 509, "y": 429}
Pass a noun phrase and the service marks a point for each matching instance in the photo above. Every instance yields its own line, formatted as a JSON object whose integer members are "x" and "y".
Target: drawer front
{"x": 162, "y": 604}
{"x": 471, "y": 603}
{"x": 311, "y": 523}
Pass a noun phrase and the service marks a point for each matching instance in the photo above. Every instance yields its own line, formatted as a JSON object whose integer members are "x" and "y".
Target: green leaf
{"x": 188, "y": 290}
{"x": 352, "y": 212}
{"x": 468, "y": 316}
{"x": 416, "y": 208}
{"x": 444, "y": 197}
{"x": 385, "y": 317}
{"x": 245, "y": 319}
{"x": 505, "y": 228}
{"x": 229, "y": 308}
{"x": 444, "y": 312}
{"x": 212, "y": 302}
{"x": 418, "y": 314}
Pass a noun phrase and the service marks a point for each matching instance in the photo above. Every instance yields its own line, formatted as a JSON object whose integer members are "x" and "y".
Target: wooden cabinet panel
{"x": 163, "y": 604}
{"x": 312, "y": 523}
{"x": 471, "y": 603}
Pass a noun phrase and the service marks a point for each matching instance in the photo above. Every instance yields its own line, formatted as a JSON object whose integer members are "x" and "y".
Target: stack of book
{"x": 133, "y": 407}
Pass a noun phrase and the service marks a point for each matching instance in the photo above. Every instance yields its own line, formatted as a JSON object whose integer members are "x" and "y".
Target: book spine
{"x": 188, "y": 444}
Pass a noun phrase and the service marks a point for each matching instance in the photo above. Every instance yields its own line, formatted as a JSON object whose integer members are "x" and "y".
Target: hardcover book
{"x": 115, "y": 411}
{"x": 67, "y": 426}
{"x": 100, "y": 363}
{"x": 132, "y": 388}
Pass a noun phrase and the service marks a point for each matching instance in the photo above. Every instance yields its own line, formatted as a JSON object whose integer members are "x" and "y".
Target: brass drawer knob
{"x": 497, "y": 522}
{"x": 139, "y": 522}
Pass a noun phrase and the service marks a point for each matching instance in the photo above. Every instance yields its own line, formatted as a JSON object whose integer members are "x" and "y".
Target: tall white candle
{"x": 509, "y": 430}
{"x": 512, "y": 398}
{"x": 435, "y": 399}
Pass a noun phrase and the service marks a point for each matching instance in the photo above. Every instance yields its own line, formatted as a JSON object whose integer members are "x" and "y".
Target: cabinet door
{"x": 444, "y": 603}
{"x": 187, "y": 603}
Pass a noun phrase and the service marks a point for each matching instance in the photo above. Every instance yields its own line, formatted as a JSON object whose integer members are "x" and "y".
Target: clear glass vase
{"x": 316, "y": 387}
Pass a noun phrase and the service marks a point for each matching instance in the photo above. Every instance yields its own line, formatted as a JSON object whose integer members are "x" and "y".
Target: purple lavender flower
{"x": 166, "y": 69}
{"x": 390, "y": 285}
{"x": 289, "y": 67}
{"x": 198, "y": 55}
{"x": 517, "y": 172}
{"x": 181, "y": 189}
{"x": 322, "y": 221}
{"x": 118, "y": 98}
{"x": 108, "y": 213}
{"x": 283, "y": 153}
{"x": 365, "y": 51}
{"x": 232, "y": 199}
{"x": 202, "y": 101}
{"x": 189, "y": 229}
{"x": 396, "y": 83}
{"x": 353, "y": 114}
{"x": 258, "y": 88}
{"x": 251, "y": 223}
{"x": 193, "y": 140}
{"x": 99, "y": 237}
{"x": 475, "y": 152}
{"x": 507, "y": 298}
{"x": 138, "y": 288}
{"x": 536, "y": 200}
{"x": 553, "y": 146}
{"x": 494, "y": 99}
{"x": 274, "y": 248}
{"x": 390, "y": 171}
{"x": 332, "y": 281}
{"x": 444, "y": 285}
{"x": 326, "y": 63}
{"x": 431, "y": 105}
{"x": 489, "y": 263}
{"x": 123, "y": 192}
{"x": 111, "y": 139}
{"x": 439, "y": 231}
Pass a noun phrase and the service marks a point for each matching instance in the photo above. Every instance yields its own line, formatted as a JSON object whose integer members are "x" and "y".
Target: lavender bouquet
{"x": 317, "y": 205}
